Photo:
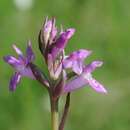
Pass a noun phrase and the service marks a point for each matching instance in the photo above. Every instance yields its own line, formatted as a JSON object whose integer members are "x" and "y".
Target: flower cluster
{"x": 66, "y": 72}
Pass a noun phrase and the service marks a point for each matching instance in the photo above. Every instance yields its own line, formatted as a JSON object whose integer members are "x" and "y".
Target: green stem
{"x": 54, "y": 114}
{"x": 65, "y": 113}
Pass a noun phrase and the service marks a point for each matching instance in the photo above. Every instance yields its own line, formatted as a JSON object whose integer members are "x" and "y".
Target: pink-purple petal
{"x": 61, "y": 42}
{"x": 48, "y": 26}
{"x": 77, "y": 67}
{"x": 67, "y": 63}
{"x": 12, "y": 61}
{"x": 75, "y": 60}
{"x": 92, "y": 66}
{"x": 20, "y": 54}
{"x": 81, "y": 54}
{"x": 64, "y": 37}
{"x": 55, "y": 51}
{"x": 74, "y": 84}
{"x": 47, "y": 30}
{"x": 69, "y": 33}
{"x": 26, "y": 71}
{"x": 29, "y": 53}
{"x": 83, "y": 80}
{"x": 15, "y": 79}
{"x": 18, "y": 51}
{"x": 53, "y": 30}
{"x": 97, "y": 86}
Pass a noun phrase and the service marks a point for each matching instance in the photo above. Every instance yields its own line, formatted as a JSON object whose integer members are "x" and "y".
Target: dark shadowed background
{"x": 102, "y": 26}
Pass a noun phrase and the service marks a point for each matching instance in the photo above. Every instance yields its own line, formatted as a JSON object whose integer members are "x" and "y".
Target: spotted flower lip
{"x": 20, "y": 65}
{"x": 86, "y": 78}
{"x": 76, "y": 60}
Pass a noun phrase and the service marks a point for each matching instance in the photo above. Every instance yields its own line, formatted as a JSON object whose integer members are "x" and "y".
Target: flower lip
{"x": 94, "y": 83}
{"x": 85, "y": 78}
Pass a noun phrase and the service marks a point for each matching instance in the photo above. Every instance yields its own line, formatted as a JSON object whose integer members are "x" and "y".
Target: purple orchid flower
{"x": 75, "y": 60}
{"x": 21, "y": 65}
{"x": 86, "y": 78}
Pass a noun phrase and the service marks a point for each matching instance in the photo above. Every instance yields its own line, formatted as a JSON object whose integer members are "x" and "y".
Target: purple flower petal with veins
{"x": 15, "y": 79}
{"x": 64, "y": 37}
{"x": 53, "y": 32}
{"x": 74, "y": 84}
{"x": 47, "y": 30}
{"x": 18, "y": 51}
{"x": 75, "y": 60}
{"x": 94, "y": 83}
{"x": 86, "y": 79}
{"x": 98, "y": 87}
{"x": 29, "y": 53}
{"x": 92, "y": 66}
{"x": 61, "y": 42}
{"x": 12, "y": 61}
{"x": 77, "y": 66}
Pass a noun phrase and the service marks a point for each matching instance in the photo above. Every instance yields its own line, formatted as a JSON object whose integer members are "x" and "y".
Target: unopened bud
{"x": 47, "y": 34}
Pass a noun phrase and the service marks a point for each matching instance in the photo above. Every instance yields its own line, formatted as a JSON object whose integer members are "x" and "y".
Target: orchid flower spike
{"x": 66, "y": 73}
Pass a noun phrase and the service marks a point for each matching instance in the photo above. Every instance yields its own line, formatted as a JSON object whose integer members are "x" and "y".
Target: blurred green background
{"x": 102, "y": 26}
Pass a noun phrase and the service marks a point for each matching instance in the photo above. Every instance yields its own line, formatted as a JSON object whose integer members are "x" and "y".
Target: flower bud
{"x": 47, "y": 34}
